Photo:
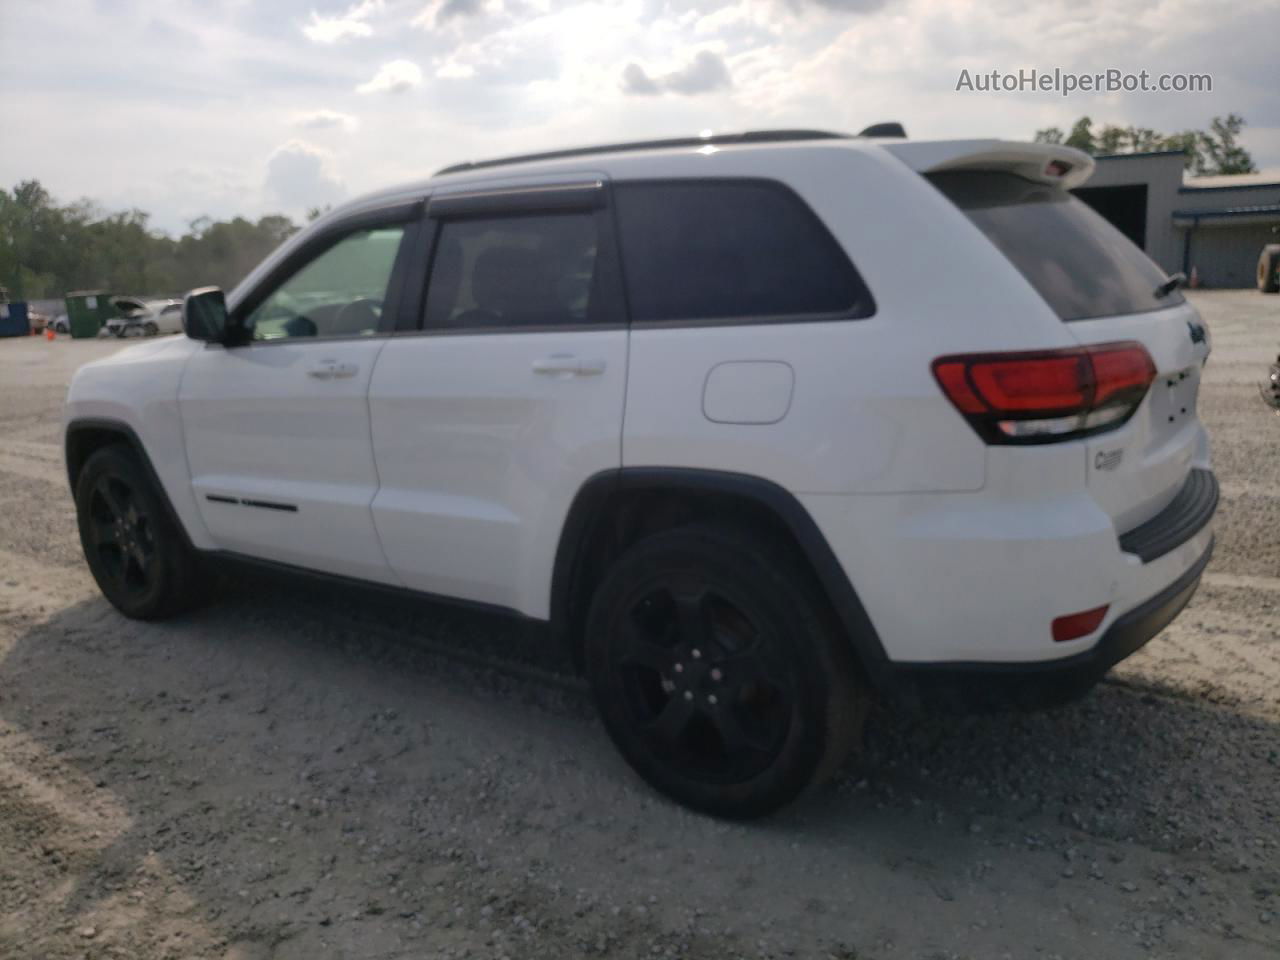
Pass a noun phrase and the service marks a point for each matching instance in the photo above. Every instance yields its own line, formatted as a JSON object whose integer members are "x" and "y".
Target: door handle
{"x": 333, "y": 370}
{"x": 566, "y": 365}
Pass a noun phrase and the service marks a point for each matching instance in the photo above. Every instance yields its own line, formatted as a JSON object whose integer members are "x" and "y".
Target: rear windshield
{"x": 1082, "y": 265}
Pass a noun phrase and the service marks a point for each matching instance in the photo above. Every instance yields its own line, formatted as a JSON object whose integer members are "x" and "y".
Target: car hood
{"x": 148, "y": 348}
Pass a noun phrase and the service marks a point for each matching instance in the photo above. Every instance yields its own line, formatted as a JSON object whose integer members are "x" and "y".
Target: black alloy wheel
{"x": 122, "y": 536}
{"x": 718, "y": 672}
{"x": 134, "y": 548}
{"x": 703, "y": 682}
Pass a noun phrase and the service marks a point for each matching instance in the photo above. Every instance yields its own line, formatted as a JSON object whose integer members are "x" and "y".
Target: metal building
{"x": 1218, "y": 225}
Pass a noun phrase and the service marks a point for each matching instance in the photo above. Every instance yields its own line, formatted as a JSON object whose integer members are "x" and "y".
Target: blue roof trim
{"x": 1243, "y": 186}
{"x": 1257, "y": 211}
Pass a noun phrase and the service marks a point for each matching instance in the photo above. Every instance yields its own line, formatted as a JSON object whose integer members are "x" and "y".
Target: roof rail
{"x": 718, "y": 139}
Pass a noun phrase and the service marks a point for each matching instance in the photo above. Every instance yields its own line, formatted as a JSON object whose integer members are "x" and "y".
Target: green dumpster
{"x": 87, "y": 311}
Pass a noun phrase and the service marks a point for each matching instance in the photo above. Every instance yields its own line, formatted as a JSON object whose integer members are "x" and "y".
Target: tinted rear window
{"x": 1078, "y": 262}
{"x": 731, "y": 249}
{"x": 513, "y": 272}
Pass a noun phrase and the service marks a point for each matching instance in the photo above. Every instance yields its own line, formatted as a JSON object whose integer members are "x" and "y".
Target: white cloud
{"x": 394, "y": 77}
{"x": 704, "y": 73}
{"x": 326, "y": 120}
{"x": 451, "y": 70}
{"x": 507, "y": 76}
{"x": 349, "y": 24}
{"x": 301, "y": 175}
{"x": 439, "y": 12}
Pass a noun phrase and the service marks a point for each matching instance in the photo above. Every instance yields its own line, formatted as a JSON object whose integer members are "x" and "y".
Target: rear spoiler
{"x": 1041, "y": 162}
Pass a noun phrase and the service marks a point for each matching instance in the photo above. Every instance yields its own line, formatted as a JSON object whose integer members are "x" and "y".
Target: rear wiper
{"x": 1174, "y": 281}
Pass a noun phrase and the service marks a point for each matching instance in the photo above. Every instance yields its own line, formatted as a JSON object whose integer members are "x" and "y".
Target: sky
{"x": 190, "y": 108}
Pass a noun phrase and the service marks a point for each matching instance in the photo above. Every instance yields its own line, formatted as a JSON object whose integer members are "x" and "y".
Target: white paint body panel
{"x": 138, "y": 387}
{"x": 480, "y": 456}
{"x": 448, "y": 465}
{"x": 259, "y": 426}
{"x": 748, "y": 391}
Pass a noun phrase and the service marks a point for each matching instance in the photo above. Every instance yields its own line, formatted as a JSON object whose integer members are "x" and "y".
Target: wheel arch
{"x": 87, "y": 435}
{"x": 616, "y": 508}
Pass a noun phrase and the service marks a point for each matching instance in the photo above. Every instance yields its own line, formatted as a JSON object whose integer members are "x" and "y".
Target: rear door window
{"x": 516, "y": 272}
{"x": 1079, "y": 263}
{"x": 726, "y": 250}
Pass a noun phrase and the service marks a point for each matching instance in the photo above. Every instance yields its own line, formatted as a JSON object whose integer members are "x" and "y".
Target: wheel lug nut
{"x": 688, "y": 694}
{"x": 716, "y": 675}
{"x": 696, "y": 654}
{"x": 679, "y": 668}
{"x": 712, "y": 699}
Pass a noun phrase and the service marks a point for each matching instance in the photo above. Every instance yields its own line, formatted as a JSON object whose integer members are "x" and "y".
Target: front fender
{"x": 134, "y": 393}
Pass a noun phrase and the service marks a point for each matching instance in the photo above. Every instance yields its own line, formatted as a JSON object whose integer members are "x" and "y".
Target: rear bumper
{"x": 1185, "y": 516}
{"x": 1049, "y": 682}
{"x": 977, "y": 578}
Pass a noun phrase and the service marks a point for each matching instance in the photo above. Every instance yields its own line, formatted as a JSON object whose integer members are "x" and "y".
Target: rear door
{"x": 505, "y": 396}
{"x": 1104, "y": 289}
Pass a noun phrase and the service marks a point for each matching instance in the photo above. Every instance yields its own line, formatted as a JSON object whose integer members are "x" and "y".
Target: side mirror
{"x": 204, "y": 315}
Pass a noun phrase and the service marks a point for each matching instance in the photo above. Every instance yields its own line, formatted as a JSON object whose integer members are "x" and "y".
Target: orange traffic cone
{"x": 49, "y": 334}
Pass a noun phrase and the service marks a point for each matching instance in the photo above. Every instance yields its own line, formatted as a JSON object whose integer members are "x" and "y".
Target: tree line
{"x": 48, "y": 248}
{"x": 1207, "y": 152}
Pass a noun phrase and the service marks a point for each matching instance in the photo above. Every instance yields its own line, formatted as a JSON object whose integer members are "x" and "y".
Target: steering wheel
{"x": 358, "y": 315}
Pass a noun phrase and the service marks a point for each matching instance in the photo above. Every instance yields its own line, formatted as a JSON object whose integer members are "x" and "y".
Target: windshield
{"x": 1078, "y": 262}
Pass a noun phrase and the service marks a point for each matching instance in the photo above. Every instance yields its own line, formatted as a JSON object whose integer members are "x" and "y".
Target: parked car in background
{"x": 144, "y": 318}
{"x": 60, "y": 324}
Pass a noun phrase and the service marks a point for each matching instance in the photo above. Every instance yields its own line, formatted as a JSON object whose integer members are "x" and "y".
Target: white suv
{"x": 758, "y": 424}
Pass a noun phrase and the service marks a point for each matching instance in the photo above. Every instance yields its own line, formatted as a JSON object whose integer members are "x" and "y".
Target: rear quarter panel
{"x": 866, "y": 415}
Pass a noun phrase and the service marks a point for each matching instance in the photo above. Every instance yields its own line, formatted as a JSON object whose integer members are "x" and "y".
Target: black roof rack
{"x": 714, "y": 140}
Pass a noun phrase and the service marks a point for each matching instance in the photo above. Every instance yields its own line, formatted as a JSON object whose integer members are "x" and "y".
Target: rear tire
{"x": 1269, "y": 269}
{"x": 134, "y": 549}
{"x": 150, "y": 329}
{"x": 718, "y": 673}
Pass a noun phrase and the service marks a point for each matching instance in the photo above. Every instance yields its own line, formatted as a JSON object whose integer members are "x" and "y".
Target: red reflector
{"x": 1057, "y": 168}
{"x": 1076, "y": 625}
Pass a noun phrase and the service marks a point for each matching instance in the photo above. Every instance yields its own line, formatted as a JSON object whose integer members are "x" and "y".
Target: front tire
{"x": 134, "y": 549}
{"x": 1269, "y": 269}
{"x": 718, "y": 673}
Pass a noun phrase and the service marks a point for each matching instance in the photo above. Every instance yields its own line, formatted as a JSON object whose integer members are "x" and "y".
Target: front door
{"x": 277, "y": 429}
{"x": 489, "y": 417}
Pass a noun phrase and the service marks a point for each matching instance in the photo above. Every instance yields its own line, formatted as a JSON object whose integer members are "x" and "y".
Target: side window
{"x": 537, "y": 270}
{"x": 731, "y": 249}
{"x": 338, "y": 294}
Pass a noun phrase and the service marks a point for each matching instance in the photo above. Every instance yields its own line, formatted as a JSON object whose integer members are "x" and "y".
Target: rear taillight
{"x": 1047, "y": 395}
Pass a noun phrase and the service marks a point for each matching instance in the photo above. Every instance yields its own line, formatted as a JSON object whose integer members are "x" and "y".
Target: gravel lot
{"x": 300, "y": 774}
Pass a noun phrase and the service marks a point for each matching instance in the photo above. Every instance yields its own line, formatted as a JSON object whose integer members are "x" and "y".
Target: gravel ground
{"x": 293, "y": 773}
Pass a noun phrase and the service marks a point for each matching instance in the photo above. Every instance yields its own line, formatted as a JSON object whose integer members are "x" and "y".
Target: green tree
{"x": 1224, "y": 153}
{"x": 1211, "y": 151}
{"x": 1081, "y": 136}
{"x": 47, "y": 249}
